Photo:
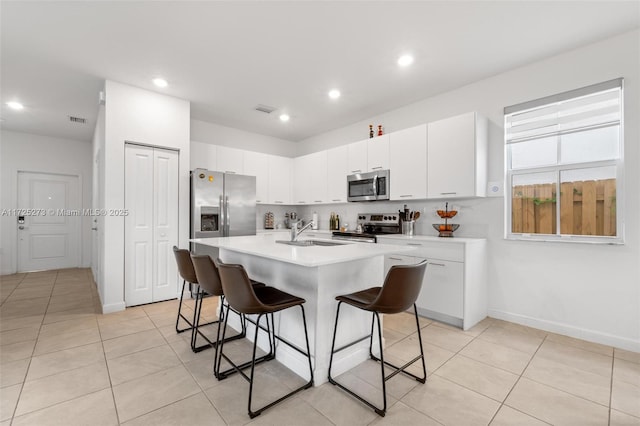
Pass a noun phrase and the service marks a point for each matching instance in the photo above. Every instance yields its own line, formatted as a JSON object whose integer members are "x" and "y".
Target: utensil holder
{"x": 407, "y": 227}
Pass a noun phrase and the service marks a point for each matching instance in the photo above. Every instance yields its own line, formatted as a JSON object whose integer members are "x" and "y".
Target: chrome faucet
{"x": 295, "y": 232}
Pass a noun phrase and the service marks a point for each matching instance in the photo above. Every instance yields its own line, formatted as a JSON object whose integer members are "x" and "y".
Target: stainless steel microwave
{"x": 369, "y": 186}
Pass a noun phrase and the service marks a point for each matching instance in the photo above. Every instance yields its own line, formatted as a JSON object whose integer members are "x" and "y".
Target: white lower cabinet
{"x": 454, "y": 288}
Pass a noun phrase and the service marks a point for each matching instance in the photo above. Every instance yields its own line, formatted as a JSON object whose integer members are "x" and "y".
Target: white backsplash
{"x": 470, "y": 211}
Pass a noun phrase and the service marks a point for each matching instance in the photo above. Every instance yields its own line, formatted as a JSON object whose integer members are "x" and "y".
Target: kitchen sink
{"x": 309, "y": 243}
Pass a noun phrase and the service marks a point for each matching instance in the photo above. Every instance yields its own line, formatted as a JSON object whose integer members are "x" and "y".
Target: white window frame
{"x": 618, "y": 163}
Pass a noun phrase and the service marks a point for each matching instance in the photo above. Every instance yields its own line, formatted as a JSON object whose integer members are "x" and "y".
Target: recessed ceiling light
{"x": 160, "y": 82}
{"x": 334, "y": 94}
{"x": 15, "y": 105}
{"x": 284, "y": 117}
{"x": 405, "y": 60}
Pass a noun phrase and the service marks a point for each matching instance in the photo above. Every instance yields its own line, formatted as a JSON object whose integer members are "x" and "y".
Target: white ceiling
{"x": 227, "y": 57}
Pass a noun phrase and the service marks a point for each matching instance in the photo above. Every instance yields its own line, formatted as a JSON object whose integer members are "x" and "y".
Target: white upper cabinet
{"x": 301, "y": 180}
{"x": 408, "y": 163}
{"x": 203, "y": 156}
{"x": 378, "y": 153}
{"x": 337, "y": 171}
{"x": 457, "y": 157}
{"x": 310, "y": 178}
{"x": 279, "y": 180}
{"x": 230, "y": 160}
{"x": 257, "y": 164}
{"x": 357, "y": 157}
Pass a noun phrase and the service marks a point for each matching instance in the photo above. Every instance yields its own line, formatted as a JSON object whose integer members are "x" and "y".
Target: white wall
{"x": 216, "y": 134}
{"x": 36, "y": 153}
{"x": 583, "y": 290}
{"x": 137, "y": 115}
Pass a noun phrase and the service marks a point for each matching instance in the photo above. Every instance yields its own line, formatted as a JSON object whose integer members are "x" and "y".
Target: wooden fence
{"x": 587, "y": 208}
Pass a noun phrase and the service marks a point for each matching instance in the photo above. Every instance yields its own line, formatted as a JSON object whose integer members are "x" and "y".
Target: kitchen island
{"x": 318, "y": 274}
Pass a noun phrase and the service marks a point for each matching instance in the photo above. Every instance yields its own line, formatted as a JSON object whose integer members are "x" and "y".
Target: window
{"x": 564, "y": 164}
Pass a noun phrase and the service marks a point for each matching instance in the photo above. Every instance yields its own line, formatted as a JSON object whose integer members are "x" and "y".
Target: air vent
{"x": 78, "y": 120}
{"x": 265, "y": 108}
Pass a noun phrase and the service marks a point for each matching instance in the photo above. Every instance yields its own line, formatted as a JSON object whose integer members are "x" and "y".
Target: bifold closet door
{"x": 151, "y": 227}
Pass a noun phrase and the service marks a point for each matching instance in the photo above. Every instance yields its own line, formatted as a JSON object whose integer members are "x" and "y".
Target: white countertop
{"x": 264, "y": 245}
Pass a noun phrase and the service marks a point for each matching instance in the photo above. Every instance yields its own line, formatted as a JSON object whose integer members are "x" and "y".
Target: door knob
{"x": 94, "y": 229}
{"x": 21, "y": 227}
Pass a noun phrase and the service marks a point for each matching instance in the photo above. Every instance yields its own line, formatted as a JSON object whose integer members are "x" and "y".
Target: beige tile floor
{"x": 62, "y": 363}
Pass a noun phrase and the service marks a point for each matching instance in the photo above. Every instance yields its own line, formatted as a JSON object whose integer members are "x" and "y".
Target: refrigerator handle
{"x": 223, "y": 218}
{"x": 226, "y": 216}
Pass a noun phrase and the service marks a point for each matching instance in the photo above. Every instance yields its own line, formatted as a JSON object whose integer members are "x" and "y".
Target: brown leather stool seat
{"x": 209, "y": 284}
{"x": 398, "y": 293}
{"x": 261, "y": 301}
{"x": 188, "y": 275}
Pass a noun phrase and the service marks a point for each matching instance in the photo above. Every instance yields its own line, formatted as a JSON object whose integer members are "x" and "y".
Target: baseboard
{"x": 113, "y": 307}
{"x": 568, "y": 330}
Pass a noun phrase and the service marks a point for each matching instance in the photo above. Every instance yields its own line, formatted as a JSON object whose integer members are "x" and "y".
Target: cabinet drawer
{"x": 434, "y": 250}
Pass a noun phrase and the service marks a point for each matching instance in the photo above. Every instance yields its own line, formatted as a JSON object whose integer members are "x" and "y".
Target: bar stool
{"x": 209, "y": 284}
{"x": 261, "y": 301}
{"x": 188, "y": 275}
{"x": 400, "y": 290}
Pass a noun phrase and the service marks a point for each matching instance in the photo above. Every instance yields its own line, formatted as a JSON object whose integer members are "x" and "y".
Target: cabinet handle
{"x": 317, "y": 201}
{"x": 394, "y": 258}
{"x": 230, "y": 172}
{"x": 376, "y": 168}
{"x": 337, "y": 200}
{"x": 258, "y": 201}
{"x": 277, "y": 202}
{"x": 301, "y": 202}
{"x": 437, "y": 264}
{"x": 414, "y": 244}
{"x": 448, "y": 193}
{"x": 406, "y": 196}
{"x": 356, "y": 171}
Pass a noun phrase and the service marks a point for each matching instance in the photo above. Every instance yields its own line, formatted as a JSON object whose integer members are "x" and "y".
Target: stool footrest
{"x": 401, "y": 369}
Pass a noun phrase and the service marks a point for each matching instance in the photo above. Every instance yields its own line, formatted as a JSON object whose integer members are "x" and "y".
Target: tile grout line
{"x": 104, "y": 355}
{"x": 15, "y": 409}
{"x": 518, "y": 381}
{"x": 14, "y": 289}
{"x": 613, "y": 363}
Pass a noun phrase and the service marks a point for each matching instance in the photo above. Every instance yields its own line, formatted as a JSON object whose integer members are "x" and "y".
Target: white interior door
{"x": 165, "y": 223}
{"x": 151, "y": 227}
{"x": 48, "y": 221}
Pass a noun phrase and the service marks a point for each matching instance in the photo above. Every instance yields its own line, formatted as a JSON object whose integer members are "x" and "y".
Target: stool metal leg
{"x": 221, "y": 375}
{"x": 180, "y": 315}
{"x": 376, "y": 319}
{"x": 307, "y": 385}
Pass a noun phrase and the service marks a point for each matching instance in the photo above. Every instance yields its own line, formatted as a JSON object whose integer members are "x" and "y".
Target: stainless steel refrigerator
{"x": 222, "y": 205}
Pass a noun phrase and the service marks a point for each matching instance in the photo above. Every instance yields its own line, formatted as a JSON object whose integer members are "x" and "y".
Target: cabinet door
{"x": 202, "y": 156}
{"x": 398, "y": 259}
{"x": 230, "y": 160}
{"x": 257, "y": 164}
{"x": 301, "y": 180}
{"x": 337, "y": 171}
{"x": 317, "y": 182}
{"x": 378, "y": 153}
{"x": 456, "y": 158}
{"x": 357, "y": 157}
{"x": 279, "y": 180}
{"x": 408, "y": 163}
{"x": 442, "y": 288}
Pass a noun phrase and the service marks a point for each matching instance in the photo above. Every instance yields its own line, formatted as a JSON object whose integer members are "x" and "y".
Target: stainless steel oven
{"x": 369, "y": 186}
{"x": 369, "y": 226}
